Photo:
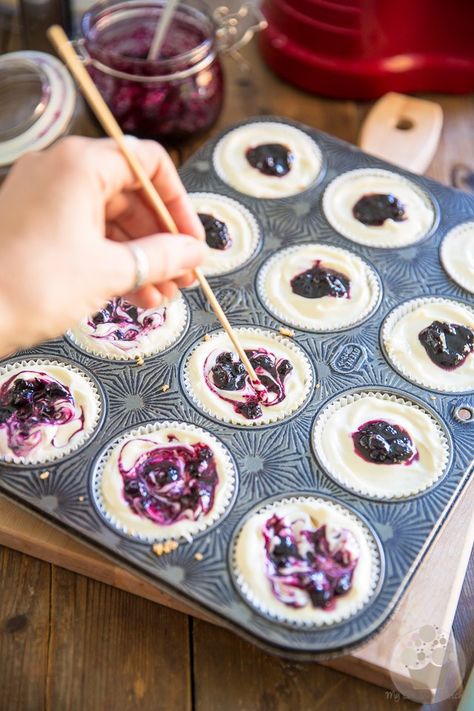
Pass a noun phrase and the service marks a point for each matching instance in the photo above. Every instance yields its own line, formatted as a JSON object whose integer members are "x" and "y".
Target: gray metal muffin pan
{"x": 276, "y": 460}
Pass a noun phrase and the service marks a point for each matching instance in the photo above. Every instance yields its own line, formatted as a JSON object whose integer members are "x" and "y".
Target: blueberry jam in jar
{"x": 176, "y": 95}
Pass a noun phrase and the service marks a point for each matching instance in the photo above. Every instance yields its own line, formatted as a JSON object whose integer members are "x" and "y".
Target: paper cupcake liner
{"x": 393, "y": 317}
{"x": 304, "y": 324}
{"x": 82, "y": 439}
{"x": 237, "y": 260}
{"x": 185, "y": 529}
{"x": 449, "y": 243}
{"x": 379, "y": 242}
{"x": 293, "y": 192}
{"x": 360, "y": 489}
{"x": 332, "y": 617}
{"x": 87, "y": 344}
{"x": 267, "y": 419}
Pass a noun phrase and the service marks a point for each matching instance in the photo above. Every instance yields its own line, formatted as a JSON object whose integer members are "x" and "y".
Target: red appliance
{"x": 360, "y": 49}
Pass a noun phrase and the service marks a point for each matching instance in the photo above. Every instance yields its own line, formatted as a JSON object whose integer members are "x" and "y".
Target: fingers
{"x": 105, "y": 166}
{"x": 169, "y": 257}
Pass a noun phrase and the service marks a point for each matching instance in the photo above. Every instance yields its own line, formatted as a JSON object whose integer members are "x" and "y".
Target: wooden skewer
{"x": 61, "y": 43}
{"x": 161, "y": 29}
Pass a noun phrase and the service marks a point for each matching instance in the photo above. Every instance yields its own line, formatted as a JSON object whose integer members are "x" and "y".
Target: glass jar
{"x": 176, "y": 95}
{"x": 38, "y": 104}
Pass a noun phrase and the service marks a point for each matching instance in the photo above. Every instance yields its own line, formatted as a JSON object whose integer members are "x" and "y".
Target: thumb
{"x": 168, "y": 257}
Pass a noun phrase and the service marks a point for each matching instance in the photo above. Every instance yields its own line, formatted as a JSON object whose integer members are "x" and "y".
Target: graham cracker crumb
{"x": 139, "y": 360}
{"x": 286, "y": 332}
{"x": 433, "y": 397}
{"x": 163, "y": 548}
{"x": 317, "y": 386}
{"x": 81, "y": 498}
{"x": 164, "y": 388}
{"x": 198, "y": 556}
{"x": 44, "y": 475}
{"x": 206, "y": 337}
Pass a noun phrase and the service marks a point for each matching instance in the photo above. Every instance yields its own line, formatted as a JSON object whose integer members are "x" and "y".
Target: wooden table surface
{"x": 70, "y": 643}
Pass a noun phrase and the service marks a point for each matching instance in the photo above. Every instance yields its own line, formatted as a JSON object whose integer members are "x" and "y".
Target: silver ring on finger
{"x": 142, "y": 265}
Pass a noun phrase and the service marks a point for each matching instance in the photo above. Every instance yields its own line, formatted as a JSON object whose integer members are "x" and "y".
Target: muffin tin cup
{"x": 238, "y": 260}
{"x": 449, "y": 243}
{"x": 267, "y": 419}
{"x": 394, "y": 317}
{"x": 184, "y": 530}
{"x": 332, "y": 617}
{"x": 379, "y": 242}
{"x": 303, "y": 324}
{"x": 311, "y": 145}
{"x": 86, "y": 343}
{"x": 360, "y": 490}
{"x": 87, "y": 434}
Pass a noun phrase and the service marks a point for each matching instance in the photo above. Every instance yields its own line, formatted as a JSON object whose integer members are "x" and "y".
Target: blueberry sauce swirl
{"x": 30, "y": 401}
{"x": 447, "y": 345}
{"x": 123, "y": 323}
{"x": 226, "y": 373}
{"x": 170, "y": 482}
{"x": 319, "y": 281}
{"x": 381, "y": 442}
{"x": 307, "y": 565}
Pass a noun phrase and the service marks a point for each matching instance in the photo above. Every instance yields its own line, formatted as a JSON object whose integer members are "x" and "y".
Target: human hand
{"x": 66, "y": 215}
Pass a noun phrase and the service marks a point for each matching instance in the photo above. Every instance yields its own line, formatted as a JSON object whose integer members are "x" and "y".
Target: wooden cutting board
{"x": 425, "y": 603}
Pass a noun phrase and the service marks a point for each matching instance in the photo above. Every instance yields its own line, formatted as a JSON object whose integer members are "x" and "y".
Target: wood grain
{"x": 24, "y": 631}
{"x": 109, "y": 650}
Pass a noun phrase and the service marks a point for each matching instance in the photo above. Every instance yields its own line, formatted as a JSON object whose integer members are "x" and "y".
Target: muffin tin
{"x": 277, "y": 460}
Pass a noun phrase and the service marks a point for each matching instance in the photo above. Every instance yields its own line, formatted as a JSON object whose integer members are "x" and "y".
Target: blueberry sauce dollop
{"x": 308, "y": 565}
{"x": 374, "y": 209}
{"x": 30, "y": 401}
{"x": 228, "y": 374}
{"x": 380, "y": 442}
{"x": 321, "y": 281}
{"x": 217, "y": 232}
{"x": 123, "y": 323}
{"x": 447, "y": 344}
{"x": 170, "y": 482}
{"x": 272, "y": 159}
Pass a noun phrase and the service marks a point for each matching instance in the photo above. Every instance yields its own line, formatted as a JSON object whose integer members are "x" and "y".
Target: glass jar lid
{"x": 38, "y": 97}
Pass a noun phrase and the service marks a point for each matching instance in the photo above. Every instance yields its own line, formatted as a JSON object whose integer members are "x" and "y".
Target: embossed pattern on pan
{"x": 278, "y": 460}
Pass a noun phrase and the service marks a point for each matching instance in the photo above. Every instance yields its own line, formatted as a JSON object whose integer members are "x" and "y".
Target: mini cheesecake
{"x": 318, "y": 287}
{"x": 218, "y": 383}
{"x": 305, "y": 561}
{"x": 378, "y": 208}
{"x": 267, "y": 159}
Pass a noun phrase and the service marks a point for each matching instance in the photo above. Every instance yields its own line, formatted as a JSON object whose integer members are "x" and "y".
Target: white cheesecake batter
{"x": 328, "y": 312}
{"x": 233, "y": 167}
{"x": 243, "y": 230}
{"x": 297, "y": 384}
{"x": 457, "y": 255}
{"x": 332, "y": 438}
{"x": 400, "y": 337}
{"x": 344, "y": 192}
{"x": 48, "y": 441}
{"x": 168, "y": 323}
{"x": 108, "y": 482}
{"x": 250, "y": 558}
